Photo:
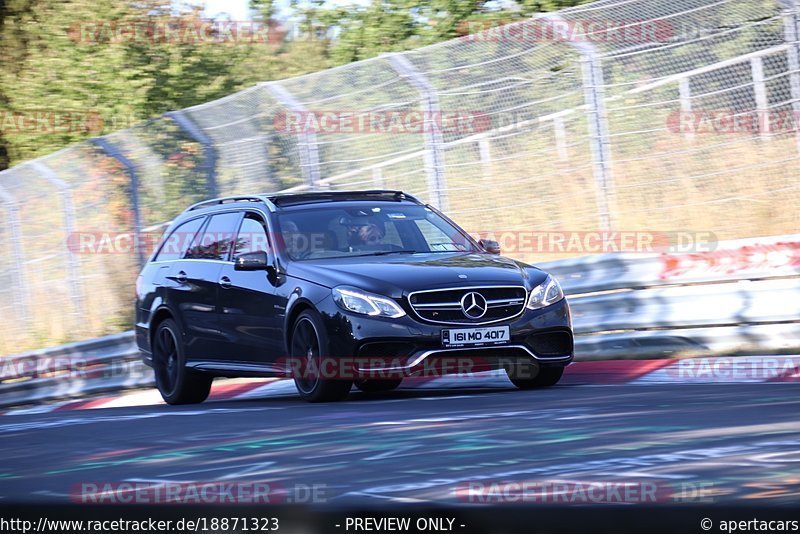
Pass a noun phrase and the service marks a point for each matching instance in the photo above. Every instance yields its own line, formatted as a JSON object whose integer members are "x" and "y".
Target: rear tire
{"x": 547, "y": 376}
{"x": 176, "y": 383}
{"x": 376, "y": 385}
{"x": 308, "y": 345}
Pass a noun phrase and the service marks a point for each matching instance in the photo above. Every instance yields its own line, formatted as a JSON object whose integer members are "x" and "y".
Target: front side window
{"x": 178, "y": 242}
{"x": 368, "y": 228}
{"x": 217, "y": 239}
{"x": 252, "y": 236}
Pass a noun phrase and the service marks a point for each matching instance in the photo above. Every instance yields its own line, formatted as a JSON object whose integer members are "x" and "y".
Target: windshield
{"x": 368, "y": 229}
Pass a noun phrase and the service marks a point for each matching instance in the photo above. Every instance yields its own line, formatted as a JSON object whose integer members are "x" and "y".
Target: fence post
{"x": 434, "y": 143}
{"x": 685, "y": 95}
{"x": 760, "y": 90}
{"x": 594, "y": 98}
{"x": 307, "y": 141}
{"x": 73, "y": 271}
{"x": 485, "y": 153}
{"x": 210, "y": 152}
{"x": 560, "y": 133}
{"x": 18, "y": 291}
{"x": 791, "y": 32}
{"x": 111, "y": 150}
{"x": 377, "y": 178}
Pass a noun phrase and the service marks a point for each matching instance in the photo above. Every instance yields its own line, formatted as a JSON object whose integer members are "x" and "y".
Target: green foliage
{"x": 63, "y": 56}
{"x": 392, "y": 25}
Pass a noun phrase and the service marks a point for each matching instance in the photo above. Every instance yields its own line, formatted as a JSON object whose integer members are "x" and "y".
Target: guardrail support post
{"x": 307, "y": 141}
{"x": 111, "y": 150}
{"x": 210, "y": 152}
{"x": 18, "y": 291}
{"x": 434, "y": 143}
{"x": 594, "y": 97}
{"x": 791, "y": 32}
{"x": 73, "y": 271}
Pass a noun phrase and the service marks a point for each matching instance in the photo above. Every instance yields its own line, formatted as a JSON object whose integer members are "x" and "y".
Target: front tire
{"x": 308, "y": 346}
{"x": 176, "y": 383}
{"x": 546, "y": 377}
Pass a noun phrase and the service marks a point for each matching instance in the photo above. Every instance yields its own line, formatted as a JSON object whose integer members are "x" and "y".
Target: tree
{"x": 70, "y": 56}
{"x": 13, "y": 49}
{"x": 109, "y": 62}
{"x": 392, "y": 25}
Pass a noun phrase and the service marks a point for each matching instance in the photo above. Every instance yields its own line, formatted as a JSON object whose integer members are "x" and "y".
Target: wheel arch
{"x": 159, "y": 316}
{"x": 295, "y": 308}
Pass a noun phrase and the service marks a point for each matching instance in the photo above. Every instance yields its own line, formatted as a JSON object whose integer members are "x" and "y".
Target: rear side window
{"x": 178, "y": 242}
{"x": 217, "y": 239}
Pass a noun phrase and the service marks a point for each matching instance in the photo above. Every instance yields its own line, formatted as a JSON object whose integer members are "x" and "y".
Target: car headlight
{"x": 547, "y": 293}
{"x": 357, "y": 301}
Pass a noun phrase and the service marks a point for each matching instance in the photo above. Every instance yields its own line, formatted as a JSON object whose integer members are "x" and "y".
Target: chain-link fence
{"x": 634, "y": 115}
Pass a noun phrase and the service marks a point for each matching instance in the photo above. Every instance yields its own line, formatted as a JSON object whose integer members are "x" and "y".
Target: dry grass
{"x": 735, "y": 187}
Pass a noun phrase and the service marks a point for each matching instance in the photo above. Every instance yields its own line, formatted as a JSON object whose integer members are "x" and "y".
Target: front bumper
{"x": 409, "y": 347}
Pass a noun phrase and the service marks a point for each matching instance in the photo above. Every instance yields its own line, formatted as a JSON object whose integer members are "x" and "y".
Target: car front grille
{"x": 446, "y": 306}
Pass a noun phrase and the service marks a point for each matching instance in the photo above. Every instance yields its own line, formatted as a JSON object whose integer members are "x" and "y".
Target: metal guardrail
{"x": 601, "y": 122}
{"x": 740, "y": 299}
{"x": 731, "y": 261}
{"x": 101, "y": 365}
{"x": 743, "y": 298}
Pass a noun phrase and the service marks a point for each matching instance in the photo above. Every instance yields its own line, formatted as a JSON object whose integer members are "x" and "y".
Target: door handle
{"x": 225, "y": 282}
{"x": 181, "y": 277}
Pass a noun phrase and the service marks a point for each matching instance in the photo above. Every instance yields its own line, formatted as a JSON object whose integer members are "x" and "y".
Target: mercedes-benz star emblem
{"x": 473, "y": 305}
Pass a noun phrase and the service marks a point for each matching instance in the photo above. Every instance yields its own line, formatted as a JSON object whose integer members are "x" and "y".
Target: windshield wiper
{"x": 381, "y": 253}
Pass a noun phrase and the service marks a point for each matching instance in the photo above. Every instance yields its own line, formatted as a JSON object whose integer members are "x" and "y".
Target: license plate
{"x": 462, "y": 337}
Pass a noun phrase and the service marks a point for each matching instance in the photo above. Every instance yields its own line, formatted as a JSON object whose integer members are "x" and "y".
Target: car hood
{"x": 396, "y": 275}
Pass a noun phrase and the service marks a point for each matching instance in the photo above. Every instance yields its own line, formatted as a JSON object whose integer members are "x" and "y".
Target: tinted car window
{"x": 368, "y": 228}
{"x": 437, "y": 237}
{"x": 252, "y": 236}
{"x": 217, "y": 239}
{"x": 178, "y": 242}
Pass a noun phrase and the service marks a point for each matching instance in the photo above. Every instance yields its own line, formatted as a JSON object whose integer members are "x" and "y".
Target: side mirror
{"x": 492, "y": 247}
{"x": 254, "y": 261}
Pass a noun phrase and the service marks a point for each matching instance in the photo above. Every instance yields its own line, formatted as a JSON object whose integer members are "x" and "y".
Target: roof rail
{"x": 311, "y": 196}
{"x": 225, "y": 200}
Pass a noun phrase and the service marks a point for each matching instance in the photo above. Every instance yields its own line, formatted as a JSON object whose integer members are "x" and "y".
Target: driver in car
{"x": 364, "y": 233}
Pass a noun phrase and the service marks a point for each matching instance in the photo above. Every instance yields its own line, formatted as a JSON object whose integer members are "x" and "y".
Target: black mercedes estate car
{"x": 336, "y": 289}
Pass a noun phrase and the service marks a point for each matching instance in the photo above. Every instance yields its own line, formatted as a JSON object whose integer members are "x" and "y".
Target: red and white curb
{"x": 722, "y": 370}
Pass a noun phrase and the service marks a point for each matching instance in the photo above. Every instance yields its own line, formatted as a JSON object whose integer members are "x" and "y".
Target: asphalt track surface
{"x": 725, "y": 443}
